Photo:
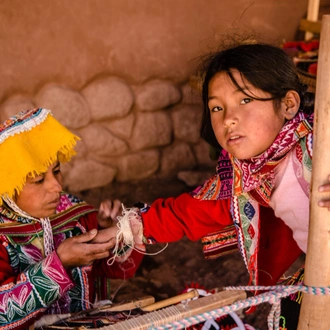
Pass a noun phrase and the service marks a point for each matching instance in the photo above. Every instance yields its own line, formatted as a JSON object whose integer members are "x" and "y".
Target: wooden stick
{"x": 312, "y": 15}
{"x": 314, "y": 312}
{"x": 171, "y": 301}
{"x": 178, "y": 312}
{"x": 137, "y": 303}
{"x": 313, "y": 27}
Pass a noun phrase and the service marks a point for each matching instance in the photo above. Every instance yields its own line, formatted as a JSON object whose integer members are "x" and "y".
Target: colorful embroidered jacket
{"x": 227, "y": 215}
{"x": 33, "y": 285}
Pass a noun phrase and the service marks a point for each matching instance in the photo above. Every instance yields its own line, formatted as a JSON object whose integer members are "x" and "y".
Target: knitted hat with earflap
{"x": 30, "y": 142}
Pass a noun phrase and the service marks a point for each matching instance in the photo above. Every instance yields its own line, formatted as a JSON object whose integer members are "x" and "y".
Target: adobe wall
{"x": 117, "y": 73}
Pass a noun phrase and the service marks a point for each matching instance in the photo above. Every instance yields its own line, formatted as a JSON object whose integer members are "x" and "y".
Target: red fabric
{"x": 6, "y": 272}
{"x": 306, "y": 46}
{"x": 277, "y": 250}
{"x": 168, "y": 220}
{"x": 312, "y": 68}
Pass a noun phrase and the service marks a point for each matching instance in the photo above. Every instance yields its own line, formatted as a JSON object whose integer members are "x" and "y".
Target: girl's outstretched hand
{"x": 108, "y": 212}
{"x": 326, "y": 189}
{"x": 78, "y": 251}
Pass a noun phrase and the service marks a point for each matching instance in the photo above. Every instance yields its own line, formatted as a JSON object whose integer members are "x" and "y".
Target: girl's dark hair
{"x": 266, "y": 67}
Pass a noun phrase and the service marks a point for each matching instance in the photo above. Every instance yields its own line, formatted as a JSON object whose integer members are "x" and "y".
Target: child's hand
{"x": 325, "y": 188}
{"x": 108, "y": 212}
{"x": 77, "y": 251}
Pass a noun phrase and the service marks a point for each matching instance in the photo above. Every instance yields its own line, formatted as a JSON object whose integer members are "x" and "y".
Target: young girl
{"x": 48, "y": 262}
{"x": 257, "y": 114}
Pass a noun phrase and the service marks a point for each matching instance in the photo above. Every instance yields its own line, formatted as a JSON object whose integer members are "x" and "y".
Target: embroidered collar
{"x": 254, "y": 176}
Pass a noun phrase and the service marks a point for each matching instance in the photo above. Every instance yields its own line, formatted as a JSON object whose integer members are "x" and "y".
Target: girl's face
{"x": 243, "y": 126}
{"x": 41, "y": 195}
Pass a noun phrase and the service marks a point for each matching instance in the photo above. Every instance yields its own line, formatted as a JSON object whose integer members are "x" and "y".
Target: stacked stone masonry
{"x": 127, "y": 132}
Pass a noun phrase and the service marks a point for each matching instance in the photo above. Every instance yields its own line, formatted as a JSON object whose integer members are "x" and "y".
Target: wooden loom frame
{"x": 179, "y": 312}
{"x": 164, "y": 312}
{"x": 311, "y": 24}
{"x": 314, "y": 312}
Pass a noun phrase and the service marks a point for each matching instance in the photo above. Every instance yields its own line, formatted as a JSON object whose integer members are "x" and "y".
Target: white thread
{"x": 124, "y": 224}
{"x": 129, "y": 234}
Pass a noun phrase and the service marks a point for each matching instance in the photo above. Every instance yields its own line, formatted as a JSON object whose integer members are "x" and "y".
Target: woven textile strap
{"x": 48, "y": 236}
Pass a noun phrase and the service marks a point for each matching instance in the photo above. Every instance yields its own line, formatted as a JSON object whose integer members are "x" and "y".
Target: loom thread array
{"x": 273, "y": 296}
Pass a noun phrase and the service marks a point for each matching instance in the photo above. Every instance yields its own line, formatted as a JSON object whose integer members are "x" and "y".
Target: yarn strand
{"x": 129, "y": 235}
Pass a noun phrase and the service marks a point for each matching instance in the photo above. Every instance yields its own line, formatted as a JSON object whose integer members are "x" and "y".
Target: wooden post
{"x": 312, "y": 15}
{"x": 315, "y": 310}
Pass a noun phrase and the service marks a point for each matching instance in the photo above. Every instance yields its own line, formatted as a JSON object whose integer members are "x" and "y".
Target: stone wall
{"x": 117, "y": 73}
{"x": 127, "y": 132}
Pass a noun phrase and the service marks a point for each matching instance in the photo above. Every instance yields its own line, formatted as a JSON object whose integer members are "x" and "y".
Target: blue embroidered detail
{"x": 249, "y": 211}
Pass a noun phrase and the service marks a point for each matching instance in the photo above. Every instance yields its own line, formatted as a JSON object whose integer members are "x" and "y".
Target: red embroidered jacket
{"x": 226, "y": 214}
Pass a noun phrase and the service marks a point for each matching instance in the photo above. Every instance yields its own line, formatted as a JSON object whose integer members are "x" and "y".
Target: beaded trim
{"x": 22, "y": 122}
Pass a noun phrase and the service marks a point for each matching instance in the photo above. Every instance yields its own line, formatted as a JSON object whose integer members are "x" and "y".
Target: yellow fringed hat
{"x": 30, "y": 142}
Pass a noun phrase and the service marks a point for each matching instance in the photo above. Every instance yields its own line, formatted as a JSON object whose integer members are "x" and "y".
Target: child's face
{"x": 243, "y": 126}
{"x": 40, "y": 195}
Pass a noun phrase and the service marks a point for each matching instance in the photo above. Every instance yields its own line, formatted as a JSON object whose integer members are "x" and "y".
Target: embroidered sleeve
{"x": 210, "y": 190}
{"x": 224, "y": 241}
{"x": 24, "y": 298}
{"x": 220, "y": 243}
{"x": 219, "y": 186}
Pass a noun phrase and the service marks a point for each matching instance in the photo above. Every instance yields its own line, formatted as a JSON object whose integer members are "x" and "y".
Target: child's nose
{"x": 229, "y": 118}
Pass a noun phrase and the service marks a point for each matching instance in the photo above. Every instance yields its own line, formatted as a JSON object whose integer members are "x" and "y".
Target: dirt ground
{"x": 165, "y": 273}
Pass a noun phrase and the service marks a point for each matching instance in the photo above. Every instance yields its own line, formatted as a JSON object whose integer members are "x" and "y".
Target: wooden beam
{"x": 309, "y": 26}
{"x": 315, "y": 312}
{"x": 312, "y": 15}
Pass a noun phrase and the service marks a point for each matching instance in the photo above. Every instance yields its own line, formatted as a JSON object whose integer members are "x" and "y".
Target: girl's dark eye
{"x": 246, "y": 100}
{"x": 216, "y": 109}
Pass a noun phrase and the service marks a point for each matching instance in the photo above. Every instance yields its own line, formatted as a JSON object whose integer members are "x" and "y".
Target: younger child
{"x": 257, "y": 114}
{"x": 49, "y": 262}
